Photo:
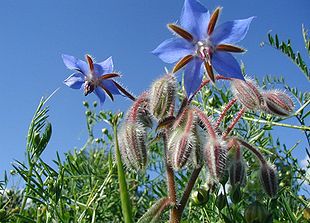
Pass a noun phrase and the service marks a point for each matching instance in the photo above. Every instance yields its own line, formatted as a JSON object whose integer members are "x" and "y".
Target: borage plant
{"x": 189, "y": 138}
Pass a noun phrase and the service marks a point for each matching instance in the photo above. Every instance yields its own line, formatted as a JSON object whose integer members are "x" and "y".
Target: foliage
{"x": 83, "y": 186}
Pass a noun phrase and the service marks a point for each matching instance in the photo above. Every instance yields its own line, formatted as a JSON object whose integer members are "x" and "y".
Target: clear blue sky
{"x": 35, "y": 33}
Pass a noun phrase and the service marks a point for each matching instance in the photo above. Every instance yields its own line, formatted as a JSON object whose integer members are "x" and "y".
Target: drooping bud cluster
{"x": 162, "y": 96}
{"x": 252, "y": 97}
{"x": 268, "y": 178}
{"x": 277, "y": 103}
{"x": 132, "y": 134}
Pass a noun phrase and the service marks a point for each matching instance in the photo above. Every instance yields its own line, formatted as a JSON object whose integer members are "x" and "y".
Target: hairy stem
{"x": 188, "y": 191}
{"x": 223, "y": 113}
{"x": 253, "y": 150}
{"x": 170, "y": 183}
{"x": 233, "y": 123}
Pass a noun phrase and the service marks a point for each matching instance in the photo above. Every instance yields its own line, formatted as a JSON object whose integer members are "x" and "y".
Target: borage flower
{"x": 200, "y": 44}
{"x": 93, "y": 77}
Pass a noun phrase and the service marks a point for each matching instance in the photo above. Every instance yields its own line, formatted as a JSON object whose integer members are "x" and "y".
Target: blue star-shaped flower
{"x": 200, "y": 45}
{"x": 93, "y": 77}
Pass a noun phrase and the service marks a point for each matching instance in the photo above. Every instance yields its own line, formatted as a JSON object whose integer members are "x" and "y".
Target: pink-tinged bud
{"x": 138, "y": 112}
{"x": 215, "y": 154}
{"x": 277, "y": 103}
{"x": 162, "y": 96}
{"x": 132, "y": 138}
{"x": 196, "y": 157}
{"x": 182, "y": 140}
{"x": 247, "y": 93}
{"x": 268, "y": 178}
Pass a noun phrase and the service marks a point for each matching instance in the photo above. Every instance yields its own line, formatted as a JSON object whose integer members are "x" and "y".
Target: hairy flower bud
{"x": 162, "y": 96}
{"x": 247, "y": 93}
{"x": 237, "y": 166}
{"x": 132, "y": 134}
{"x": 132, "y": 137}
{"x": 257, "y": 213}
{"x": 268, "y": 178}
{"x": 215, "y": 154}
{"x": 277, "y": 103}
{"x": 182, "y": 140}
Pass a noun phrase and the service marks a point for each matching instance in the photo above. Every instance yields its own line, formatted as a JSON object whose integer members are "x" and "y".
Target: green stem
{"x": 24, "y": 201}
{"x": 126, "y": 205}
{"x": 302, "y": 127}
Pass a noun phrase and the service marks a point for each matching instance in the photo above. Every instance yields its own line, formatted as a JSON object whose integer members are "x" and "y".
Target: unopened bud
{"x": 237, "y": 166}
{"x": 139, "y": 111}
{"x": 182, "y": 140}
{"x": 277, "y": 103}
{"x": 235, "y": 194}
{"x": 162, "y": 96}
{"x": 132, "y": 137}
{"x": 268, "y": 178}
{"x": 256, "y": 213}
{"x": 221, "y": 201}
{"x": 200, "y": 196}
{"x": 215, "y": 154}
{"x": 247, "y": 93}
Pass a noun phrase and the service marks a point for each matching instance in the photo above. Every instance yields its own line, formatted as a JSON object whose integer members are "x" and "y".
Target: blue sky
{"x": 35, "y": 33}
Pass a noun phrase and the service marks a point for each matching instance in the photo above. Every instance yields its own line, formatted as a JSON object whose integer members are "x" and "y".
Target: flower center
{"x": 204, "y": 49}
{"x": 91, "y": 82}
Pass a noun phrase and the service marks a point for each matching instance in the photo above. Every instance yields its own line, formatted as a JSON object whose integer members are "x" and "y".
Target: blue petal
{"x": 75, "y": 80}
{"x": 195, "y": 18}
{"x": 172, "y": 50}
{"x": 75, "y": 64}
{"x": 101, "y": 95}
{"x": 104, "y": 67}
{"x": 226, "y": 65}
{"x": 110, "y": 86}
{"x": 193, "y": 74}
{"x": 231, "y": 32}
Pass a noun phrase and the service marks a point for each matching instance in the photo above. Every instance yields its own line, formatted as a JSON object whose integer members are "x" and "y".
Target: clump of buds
{"x": 162, "y": 96}
{"x": 268, "y": 178}
{"x": 132, "y": 134}
{"x": 277, "y": 103}
{"x": 247, "y": 93}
